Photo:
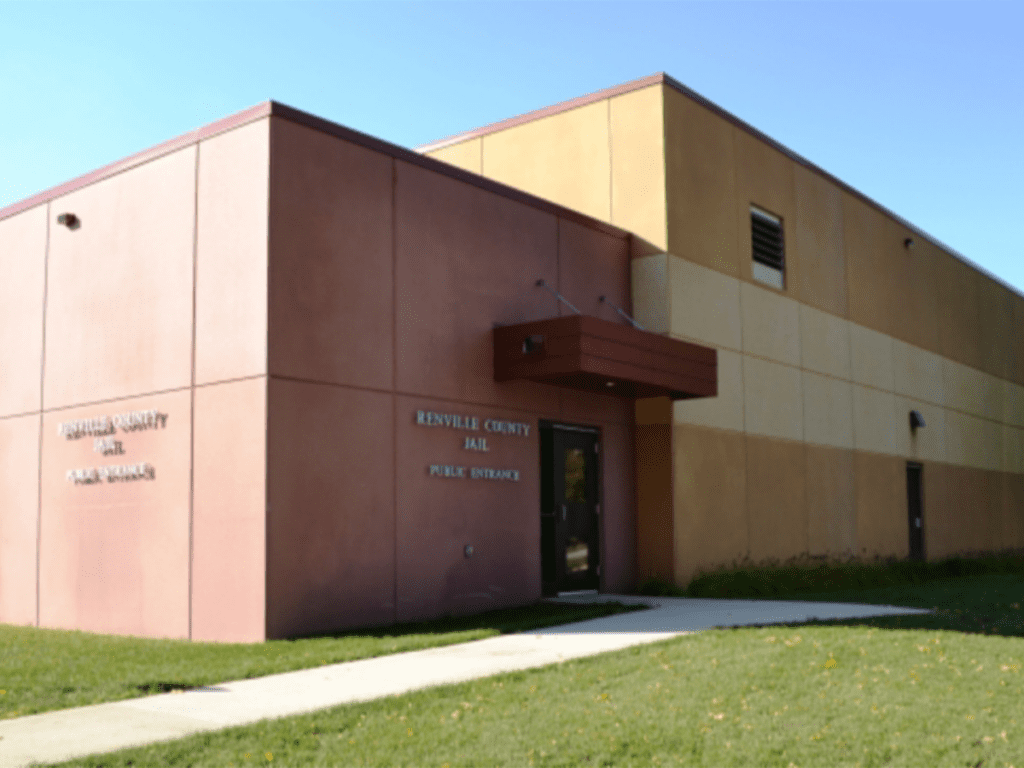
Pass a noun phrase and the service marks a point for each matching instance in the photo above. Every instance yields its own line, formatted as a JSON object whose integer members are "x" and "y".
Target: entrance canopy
{"x": 588, "y": 353}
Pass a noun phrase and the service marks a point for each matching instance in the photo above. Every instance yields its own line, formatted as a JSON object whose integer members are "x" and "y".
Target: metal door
{"x": 570, "y": 508}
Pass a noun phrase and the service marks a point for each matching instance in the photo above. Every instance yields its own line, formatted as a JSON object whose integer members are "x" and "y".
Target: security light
{"x": 69, "y": 220}
{"x": 916, "y": 420}
{"x": 534, "y": 343}
{"x": 908, "y": 243}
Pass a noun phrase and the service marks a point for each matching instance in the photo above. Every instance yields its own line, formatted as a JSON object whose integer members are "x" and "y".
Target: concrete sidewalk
{"x": 55, "y": 736}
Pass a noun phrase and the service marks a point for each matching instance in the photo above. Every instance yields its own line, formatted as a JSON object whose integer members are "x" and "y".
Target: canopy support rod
{"x": 543, "y": 284}
{"x": 634, "y": 323}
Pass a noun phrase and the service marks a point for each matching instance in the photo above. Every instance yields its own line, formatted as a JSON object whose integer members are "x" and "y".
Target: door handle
{"x": 563, "y": 511}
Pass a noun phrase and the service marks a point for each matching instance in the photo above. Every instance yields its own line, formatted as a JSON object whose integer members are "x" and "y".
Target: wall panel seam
{"x": 394, "y": 381}
{"x": 192, "y": 393}
{"x": 42, "y": 406}
{"x": 19, "y": 415}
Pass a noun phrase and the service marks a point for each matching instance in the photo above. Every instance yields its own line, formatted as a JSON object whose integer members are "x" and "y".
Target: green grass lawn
{"x": 45, "y": 669}
{"x": 944, "y": 689}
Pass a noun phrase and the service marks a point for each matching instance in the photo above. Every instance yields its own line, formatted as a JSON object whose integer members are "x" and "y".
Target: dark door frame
{"x": 555, "y": 513}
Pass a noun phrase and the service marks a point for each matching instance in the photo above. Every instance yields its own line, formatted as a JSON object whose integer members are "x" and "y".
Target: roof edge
{"x": 554, "y": 109}
{"x": 223, "y": 125}
{"x": 277, "y": 109}
{"x": 665, "y": 79}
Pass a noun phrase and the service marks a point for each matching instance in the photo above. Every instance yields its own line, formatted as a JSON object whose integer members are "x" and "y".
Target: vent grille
{"x": 766, "y": 234}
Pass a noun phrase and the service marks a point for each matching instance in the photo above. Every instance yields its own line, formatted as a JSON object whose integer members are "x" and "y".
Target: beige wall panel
{"x": 705, "y": 305}
{"x": 996, "y": 325}
{"x": 1016, "y": 372}
{"x": 831, "y": 503}
{"x": 119, "y": 304}
{"x": 461, "y": 268}
{"x": 976, "y": 509}
{"x": 772, "y": 399}
{"x": 229, "y": 511}
{"x": 927, "y": 443}
{"x": 764, "y": 177}
{"x": 19, "y": 518}
{"x": 1012, "y": 533}
{"x": 710, "y": 500}
{"x": 871, "y": 358}
{"x": 917, "y": 373}
{"x": 331, "y": 265}
{"x": 1013, "y": 403}
{"x": 563, "y": 157}
{"x": 960, "y": 321}
{"x": 973, "y": 442}
{"x": 771, "y": 324}
{"x": 654, "y": 503}
{"x": 868, "y": 250}
{"x": 114, "y": 556}
{"x": 466, "y": 155}
{"x": 994, "y": 403}
{"x": 23, "y": 266}
{"x": 881, "y": 487}
{"x": 917, "y": 304}
{"x": 941, "y": 523}
{"x": 331, "y": 508}
{"x": 816, "y": 236}
{"x": 824, "y": 342}
{"x": 828, "y": 411}
{"x": 1013, "y": 449}
{"x": 966, "y": 388}
{"x": 942, "y": 519}
{"x": 874, "y": 420}
{"x": 700, "y": 169}
{"x": 993, "y": 511}
{"x": 725, "y": 411}
{"x": 650, "y": 291}
{"x": 776, "y": 499}
{"x": 638, "y": 164}
{"x": 888, "y": 285}
{"x": 231, "y": 254}
{"x": 991, "y": 458}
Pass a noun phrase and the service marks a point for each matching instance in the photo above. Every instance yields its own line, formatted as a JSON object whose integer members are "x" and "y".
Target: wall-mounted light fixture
{"x": 916, "y": 420}
{"x": 533, "y": 344}
{"x": 468, "y": 551}
{"x": 908, "y": 243}
{"x": 69, "y": 220}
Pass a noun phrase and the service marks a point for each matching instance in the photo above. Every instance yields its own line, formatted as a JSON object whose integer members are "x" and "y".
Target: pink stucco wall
{"x": 281, "y": 298}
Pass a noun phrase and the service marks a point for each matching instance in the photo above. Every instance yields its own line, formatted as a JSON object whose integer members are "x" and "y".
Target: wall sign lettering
{"x": 476, "y": 443}
{"x": 102, "y": 429}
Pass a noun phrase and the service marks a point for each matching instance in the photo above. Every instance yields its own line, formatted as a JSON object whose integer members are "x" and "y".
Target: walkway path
{"x": 68, "y": 733}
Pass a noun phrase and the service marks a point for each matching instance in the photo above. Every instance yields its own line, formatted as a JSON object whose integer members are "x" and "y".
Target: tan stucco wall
{"x": 809, "y": 433}
{"x": 605, "y": 159}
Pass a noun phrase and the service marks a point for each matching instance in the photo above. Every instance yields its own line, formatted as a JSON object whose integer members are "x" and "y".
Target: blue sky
{"x": 919, "y": 105}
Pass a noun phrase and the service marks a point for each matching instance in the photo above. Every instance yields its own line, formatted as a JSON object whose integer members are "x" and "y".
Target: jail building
{"x": 276, "y": 377}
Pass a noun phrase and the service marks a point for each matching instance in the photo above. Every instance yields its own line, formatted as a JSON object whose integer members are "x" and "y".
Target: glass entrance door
{"x": 570, "y": 540}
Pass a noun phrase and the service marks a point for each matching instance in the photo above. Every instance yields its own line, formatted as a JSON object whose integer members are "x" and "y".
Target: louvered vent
{"x": 768, "y": 247}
